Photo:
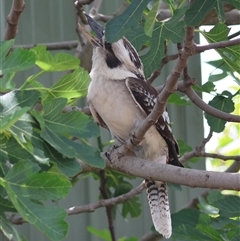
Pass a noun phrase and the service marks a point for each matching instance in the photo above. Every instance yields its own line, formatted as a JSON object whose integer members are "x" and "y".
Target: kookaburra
{"x": 120, "y": 98}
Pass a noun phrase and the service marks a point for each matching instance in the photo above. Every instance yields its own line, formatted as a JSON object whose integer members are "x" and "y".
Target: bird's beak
{"x": 98, "y": 30}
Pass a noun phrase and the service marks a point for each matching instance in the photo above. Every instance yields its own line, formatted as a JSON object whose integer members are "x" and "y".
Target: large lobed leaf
{"x": 57, "y": 126}
{"x": 17, "y": 60}
{"x": 117, "y": 27}
{"x": 193, "y": 224}
{"x": 22, "y": 138}
{"x": 230, "y": 55}
{"x": 221, "y": 102}
{"x": 151, "y": 19}
{"x": 60, "y": 62}
{"x": 26, "y": 188}
{"x": 171, "y": 30}
{"x": 199, "y": 8}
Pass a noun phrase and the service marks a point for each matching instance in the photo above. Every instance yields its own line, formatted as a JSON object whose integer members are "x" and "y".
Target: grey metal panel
{"x": 54, "y": 21}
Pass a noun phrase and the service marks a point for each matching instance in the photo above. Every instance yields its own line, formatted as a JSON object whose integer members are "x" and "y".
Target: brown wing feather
{"x": 145, "y": 97}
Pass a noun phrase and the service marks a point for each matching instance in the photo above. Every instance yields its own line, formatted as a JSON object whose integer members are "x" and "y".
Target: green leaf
{"x": 137, "y": 37}
{"x": 19, "y": 59}
{"x": 13, "y": 106}
{"x": 18, "y": 126}
{"x": 163, "y": 31}
{"x": 199, "y": 9}
{"x": 11, "y": 151}
{"x": 226, "y": 70}
{"x": 236, "y": 238}
{"x": 122, "y": 189}
{"x": 184, "y": 147}
{"x": 5, "y": 47}
{"x": 57, "y": 127}
{"x": 217, "y": 77}
{"x": 7, "y": 121}
{"x": 15, "y": 100}
{"x": 89, "y": 154}
{"x": 6, "y": 205}
{"x": 75, "y": 123}
{"x": 230, "y": 55}
{"x": 26, "y": 187}
{"x": 188, "y": 233}
{"x": 8, "y": 229}
{"x": 222, "y": 223}
{"x": 71, "y": 86}
{"x": 60, "y": 62}
{"x": 132, "y": 207}
{"x": 214, "y": 195}
{"x": 104, "y": 234}
{"x": 151, "y": 19}
{"x": 6, "y": 83}
{"x": 117, "y": 27}
{"x": 205, "y": 228}
{"x": 185, "y": 217}
{"x": 185, "y": 225}
{"x": 221, "y": 103}
{"x": 208, "y": 87}
{"x": 177, "y": 100}
{"x": 228, "y": 206}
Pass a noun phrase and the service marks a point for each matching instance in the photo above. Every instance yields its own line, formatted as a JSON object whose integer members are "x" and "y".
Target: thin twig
{"x": 69, "y": 108}
{"x": 219, "y": 156}
{"x": 198, "y": 149}
{"x": 13, "y": 19}
{"x": 209, "y": 109}
{"x": 16, "y": 219}
{"x": 157, "y": 72}
{"x": 234, "y": 34}
{"x": 218, "y": 45}
{"x": 65, "y": 45}
{"x": 79, "y": 9}
{"x": 103, "y": 190}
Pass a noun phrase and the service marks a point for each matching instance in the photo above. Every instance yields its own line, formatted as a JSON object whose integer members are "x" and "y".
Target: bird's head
{"x": 120, "y": 59}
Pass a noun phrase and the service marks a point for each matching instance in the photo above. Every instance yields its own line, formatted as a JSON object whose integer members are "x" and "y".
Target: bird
{"x": 120, "y": 98}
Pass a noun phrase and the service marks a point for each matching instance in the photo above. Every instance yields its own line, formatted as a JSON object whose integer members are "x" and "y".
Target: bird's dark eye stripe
{"x": 132, "y": 53}
{"x": 111, "y": 59}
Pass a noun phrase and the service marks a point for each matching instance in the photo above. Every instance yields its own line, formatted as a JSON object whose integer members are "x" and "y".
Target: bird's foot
{"x": 134, "y": 139}
{"x": 109, "y": 151}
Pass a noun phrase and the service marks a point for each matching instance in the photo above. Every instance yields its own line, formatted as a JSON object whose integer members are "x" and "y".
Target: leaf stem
{"x": 31, "y": 79}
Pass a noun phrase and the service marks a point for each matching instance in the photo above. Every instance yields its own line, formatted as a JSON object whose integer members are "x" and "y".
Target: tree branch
{"x": 13, "y": 19}
{"x": 232, "y": 17}
{"x": 198, "y": 149}
{"x": 193, "y": 203}
{"x": 104, "y": 192}
{"x": 65, "y": 45}
{"x": 205, "y": 107}
{"x": 219, "y": 156}
{"x": 136, "y": 166}
{"x": 85, "y": 109}
{"x": 16, "y": 219}
{"x": 222, "y": 44}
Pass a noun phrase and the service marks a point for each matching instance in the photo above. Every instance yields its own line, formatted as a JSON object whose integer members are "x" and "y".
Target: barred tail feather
{"x": 159, "y": 206}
